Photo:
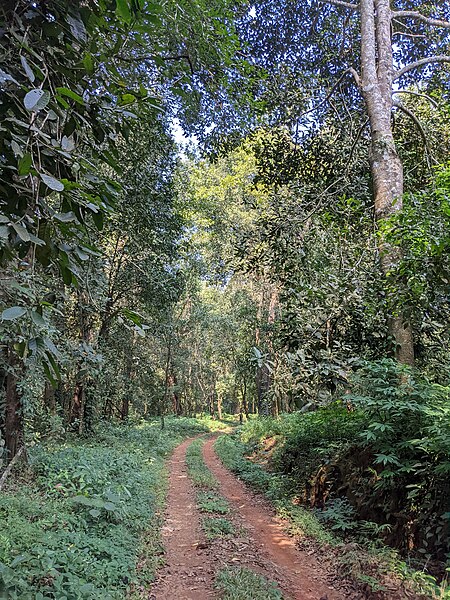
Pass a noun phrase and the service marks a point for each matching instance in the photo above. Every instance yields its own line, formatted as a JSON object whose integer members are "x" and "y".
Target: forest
{"x": 224, "y": 299}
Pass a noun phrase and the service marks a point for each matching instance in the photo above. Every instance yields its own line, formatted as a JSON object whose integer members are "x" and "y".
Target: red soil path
{"x": 298, "y": 574}
{"x": 186, "y": 574}
{"x": 191, "y": 563}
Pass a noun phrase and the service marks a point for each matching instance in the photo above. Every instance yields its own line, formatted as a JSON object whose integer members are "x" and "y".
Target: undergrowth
{"x": 367, "y": 565}
{"x": 201, "y": 476}
{"x": 216, "y": 527}
{"x": 76, "y": 522}
{"x": 243, "y": 584}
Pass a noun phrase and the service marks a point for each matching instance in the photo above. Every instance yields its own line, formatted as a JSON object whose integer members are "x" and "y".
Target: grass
{"x": 243, "y": 584}
{"x": 216, "y": 527}
{"x": 198, "y": 472}
{"x": 210, "y": 502}
{"x": 77, "y": 522}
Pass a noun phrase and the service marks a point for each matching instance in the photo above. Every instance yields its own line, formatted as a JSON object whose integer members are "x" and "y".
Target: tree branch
{"x": 418, "y": 124}
{"x": 340, "y": 3}
{"x": 407, "y": 34}
{"x": 332, "y": 90}
{"x": 414, "y": 14}
{"x": 10, "y": 467}
{"x": 430, "y": 100}
{"x": 420, "y": 63}
{"x": 355, "y": 141}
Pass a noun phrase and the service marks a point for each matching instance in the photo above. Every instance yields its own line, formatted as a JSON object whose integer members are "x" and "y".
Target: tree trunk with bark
{"x": 219, "y": 407}
{"x": 377, "y": 70}
{"x": 13, "y": 425}
{"x": 50, "y": 398}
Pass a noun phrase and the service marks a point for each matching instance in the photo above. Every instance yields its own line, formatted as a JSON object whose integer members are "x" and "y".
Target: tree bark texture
{"x": 377, "y": 72}
{"x": 13, "y": 426}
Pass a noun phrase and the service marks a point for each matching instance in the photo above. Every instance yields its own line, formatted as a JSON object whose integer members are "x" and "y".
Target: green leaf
{"x": 36, "y": 100}
{"x": 15, "y": 312}
{"x": 28, "y": 70}
{"x": 51, "y": 346}
{"x": 67, "y": 217}
{"x": 81, "y": 255}
{"x": 25, "y": 164}
{"x": 4, "y": 77}
{"x": 77, "y": 28}
{"x": 123, "y": 10}
{"x": 63, "y": 91}
{"x": 95, "y": 512}
{"x": 21, "y": 232}
{"x": 54, "y": 365}
{"x": 88, "y": 62}
{"x": 67, "y": 143}
{"x": 52, "y": 183}
{"x": 98, "y": 220}
{"x": 49, "y": 375}
{"x": 4, "y": 232}
{"x": 36, "y": 240}
{"x": 19, "y": 559}
{"x": 38, "y": 319}
{"x": 127, "y": 99}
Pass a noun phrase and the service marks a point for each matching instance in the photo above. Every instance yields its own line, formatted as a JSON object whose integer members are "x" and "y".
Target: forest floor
{"x": 258, "y": 544}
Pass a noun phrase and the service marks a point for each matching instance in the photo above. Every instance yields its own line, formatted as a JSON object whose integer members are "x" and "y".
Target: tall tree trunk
{"x": 50, "y": 398}
{"x": 77, "y": 407}
{"x": 244, "y": 398}
{"x": 13, "y": 425}
{"x": 125, "y": 409}
{"x": 176, "y": 399}
{"x": 387, "y": 170}
{"x": 77, "y": 412}
{"x": 129, "y": 377}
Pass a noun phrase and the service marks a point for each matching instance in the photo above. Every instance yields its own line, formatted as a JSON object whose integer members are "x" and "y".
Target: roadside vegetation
{"x": 358, "y": 472}
{"x": 242, "y": 584}
{"x": 79, "y": 519}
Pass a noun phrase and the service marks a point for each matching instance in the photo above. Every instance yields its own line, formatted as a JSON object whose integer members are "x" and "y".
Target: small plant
{"x": 339, "y": 514}
{"x": 215, "y": 527}
{"x": 212, "y": 503}
{"x": 243, "y": 584}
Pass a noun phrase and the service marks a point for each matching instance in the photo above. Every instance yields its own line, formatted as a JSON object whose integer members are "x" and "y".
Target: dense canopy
{"x": 218, "y": 215}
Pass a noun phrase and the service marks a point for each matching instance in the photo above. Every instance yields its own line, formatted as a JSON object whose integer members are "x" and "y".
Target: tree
{"x": 306, "y": 54}
{"x": 71, "y": 75}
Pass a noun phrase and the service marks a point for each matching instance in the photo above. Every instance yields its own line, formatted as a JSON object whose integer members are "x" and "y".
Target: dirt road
{"x": 262, "y": 545}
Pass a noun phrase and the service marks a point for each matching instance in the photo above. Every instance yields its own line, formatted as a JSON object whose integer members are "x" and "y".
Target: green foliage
{"x": 306, "y": 439}
{"x": 211, "y": 502}
{"x": 242, "y": 584}
{"x": 75, "y": 529}
{"x": 420, "y": 280}
{"x": 409, "y": 435}
{"x": 198, "y": 472}
{"x": 216, "y": 527}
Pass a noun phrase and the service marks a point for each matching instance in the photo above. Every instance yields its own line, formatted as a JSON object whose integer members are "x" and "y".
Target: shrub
{"x": 74, "y": 530}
